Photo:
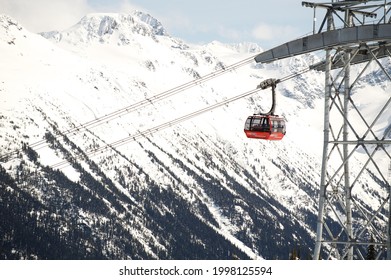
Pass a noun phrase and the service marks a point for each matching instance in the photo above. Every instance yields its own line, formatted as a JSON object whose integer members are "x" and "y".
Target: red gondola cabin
{"x": 267, "y": 127}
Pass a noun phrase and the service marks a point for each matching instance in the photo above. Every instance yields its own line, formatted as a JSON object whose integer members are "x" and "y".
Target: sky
{"x": 267, "y": 23}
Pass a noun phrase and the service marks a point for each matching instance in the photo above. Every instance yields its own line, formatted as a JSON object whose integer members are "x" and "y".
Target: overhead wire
{"x": 138, "y": 105}
{"x": 176, "y": 121}
{"x": 149, "y": 101}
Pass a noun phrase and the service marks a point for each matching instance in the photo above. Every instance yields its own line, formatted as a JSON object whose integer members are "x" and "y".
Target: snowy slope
{"x": 198, "y": 189}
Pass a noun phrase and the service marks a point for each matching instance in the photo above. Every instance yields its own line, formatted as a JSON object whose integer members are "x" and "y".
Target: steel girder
{"x": 330, "y": 39}
{"x": 347, "y": 222}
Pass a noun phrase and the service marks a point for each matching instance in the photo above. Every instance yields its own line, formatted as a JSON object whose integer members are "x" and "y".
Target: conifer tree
{"x": 371, "y": 254}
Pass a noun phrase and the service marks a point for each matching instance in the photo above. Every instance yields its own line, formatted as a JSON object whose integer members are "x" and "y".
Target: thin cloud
{"x": 45, "y": 15}
{"x": 271, "y": 33}
{"x": 126, "y": 6}
{"x": 230, "y": 33}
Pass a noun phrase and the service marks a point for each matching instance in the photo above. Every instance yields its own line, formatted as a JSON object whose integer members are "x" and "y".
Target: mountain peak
{"x": 105, "y": 27}
{"x": 152, "y": 22}
{"x": 9, "y": 28}
{"x": 105, "y": 23}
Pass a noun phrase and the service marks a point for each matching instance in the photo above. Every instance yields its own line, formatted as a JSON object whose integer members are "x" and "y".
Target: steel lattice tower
{"x": 356, "y": 37}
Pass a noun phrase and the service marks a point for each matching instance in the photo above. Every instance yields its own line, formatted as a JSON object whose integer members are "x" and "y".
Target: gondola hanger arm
{"x": 268, "y": 83}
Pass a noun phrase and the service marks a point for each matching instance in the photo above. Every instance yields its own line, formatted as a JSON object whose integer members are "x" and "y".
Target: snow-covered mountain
{"x": 87, "y": 172}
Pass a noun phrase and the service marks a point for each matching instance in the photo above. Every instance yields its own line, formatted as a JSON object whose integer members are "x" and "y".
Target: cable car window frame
{"x": 257, "y": 123}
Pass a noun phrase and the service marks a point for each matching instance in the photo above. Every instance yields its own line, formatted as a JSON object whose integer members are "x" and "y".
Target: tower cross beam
{"x": 349, "y": 36}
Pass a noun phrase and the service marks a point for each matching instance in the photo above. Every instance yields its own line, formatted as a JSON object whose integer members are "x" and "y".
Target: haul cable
{"x": 176, "y": 121}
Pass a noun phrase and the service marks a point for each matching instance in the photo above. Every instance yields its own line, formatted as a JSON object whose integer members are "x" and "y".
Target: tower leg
{"x": 348, "y": 202}
{"x": 389, "y": 217}
{"x": 326, "y": 139}
{"x": 322, "y": 194}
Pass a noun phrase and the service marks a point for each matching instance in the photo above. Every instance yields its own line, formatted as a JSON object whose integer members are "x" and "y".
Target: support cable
{"x": 138, "y": 105}
{"x": 176, "y": 121}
